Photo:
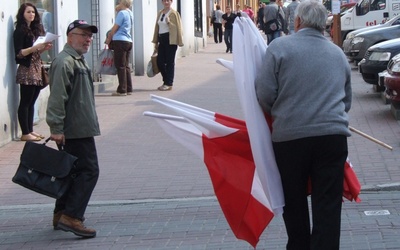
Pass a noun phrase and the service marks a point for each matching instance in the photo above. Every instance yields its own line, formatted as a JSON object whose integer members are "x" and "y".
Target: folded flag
{"x": 223, "y": 143}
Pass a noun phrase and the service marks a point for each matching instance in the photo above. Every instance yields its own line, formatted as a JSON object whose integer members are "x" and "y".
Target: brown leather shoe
{"x": 69, "y": 224}
{"x": 56, "y": 218}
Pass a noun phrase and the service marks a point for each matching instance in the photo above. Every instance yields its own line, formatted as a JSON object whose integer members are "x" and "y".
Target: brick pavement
{"x": 155, "y": 194}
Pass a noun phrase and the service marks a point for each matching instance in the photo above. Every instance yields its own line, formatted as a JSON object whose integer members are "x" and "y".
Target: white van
{"x": 368, "y": 13}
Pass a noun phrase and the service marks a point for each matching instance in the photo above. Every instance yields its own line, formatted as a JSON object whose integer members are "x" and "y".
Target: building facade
{"x": 57, "y": 14}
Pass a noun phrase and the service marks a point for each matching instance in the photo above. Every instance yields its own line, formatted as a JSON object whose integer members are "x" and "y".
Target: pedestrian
{"x": 217, "y": 24}
{"x": 72, "y": 118}
{"x": 289, "y": 15}
{"x": 28, "y": 28}
{"x": 308, "y": 100}
{"x": 273, "y": 11}
{"x": 250, "y": 13}
{"x": 227, "y": 19}
{"x": 166, "y": 38}
{"x": 260, "y": 16}
{"x": 121, "y": 38}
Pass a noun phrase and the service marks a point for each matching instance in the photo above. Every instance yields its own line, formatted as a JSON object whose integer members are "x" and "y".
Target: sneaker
{"x": 56, "y": 218}
{"x": 164, "y": 88}
{"x": 118, "y": 94}
{"x": 129, "y": 93}
{"x": 69, "y": 224}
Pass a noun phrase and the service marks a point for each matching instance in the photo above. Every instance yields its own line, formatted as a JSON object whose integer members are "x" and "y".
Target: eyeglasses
{"x": 162, "y": 17}
{"x": 85, "y": 36}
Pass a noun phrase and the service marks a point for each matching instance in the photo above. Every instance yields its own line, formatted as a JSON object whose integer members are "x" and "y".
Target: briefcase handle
{"x": 59, "y": 146}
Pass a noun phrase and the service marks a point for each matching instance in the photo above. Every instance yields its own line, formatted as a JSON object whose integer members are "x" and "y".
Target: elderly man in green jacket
{"x": 72, "y": 118}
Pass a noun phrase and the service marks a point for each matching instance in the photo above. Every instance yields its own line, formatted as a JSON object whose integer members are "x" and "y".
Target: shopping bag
{"x": 106, "y": 64}
{"x": 45, "y": 170}
{"x": 152, "y": 67}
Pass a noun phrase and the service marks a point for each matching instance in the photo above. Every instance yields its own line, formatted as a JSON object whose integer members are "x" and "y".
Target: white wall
{"x": 9, "y": 90}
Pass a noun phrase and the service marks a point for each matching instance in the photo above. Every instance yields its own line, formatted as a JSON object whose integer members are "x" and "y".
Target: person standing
{"x": 227, "y": 19}
{"x": 166, "y": 38}
{"x": 309, "y": 138}
{"x": 217, "y": 25}
{"x": 28, "y": 28}
{"x": 121, "y": 38}
{"x": 273, "y": 11}
{"x": 289, "y": 15}
{"x": 72, "y": 118}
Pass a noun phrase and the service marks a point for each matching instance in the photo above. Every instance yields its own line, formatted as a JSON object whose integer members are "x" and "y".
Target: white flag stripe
{"x": 181, "y": 130}
{"x": 175, "y": 104}
{"x": 200, "y": 118}
{"x": 249, "y": 47}
{"x": 227, "y": 64}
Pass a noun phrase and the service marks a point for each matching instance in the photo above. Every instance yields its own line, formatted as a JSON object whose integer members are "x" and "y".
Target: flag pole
{"x": 370, "y": 138}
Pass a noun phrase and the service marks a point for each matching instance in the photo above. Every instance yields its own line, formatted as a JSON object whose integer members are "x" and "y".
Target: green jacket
{"x": 71, "y": 106}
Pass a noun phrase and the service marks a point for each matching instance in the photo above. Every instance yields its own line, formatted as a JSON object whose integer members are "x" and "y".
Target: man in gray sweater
{"x": 305, "y": 87}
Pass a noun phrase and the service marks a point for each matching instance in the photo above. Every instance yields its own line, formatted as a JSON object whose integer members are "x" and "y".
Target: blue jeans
{"x": 272, "y": 36}
{"x": 228, "y": 39}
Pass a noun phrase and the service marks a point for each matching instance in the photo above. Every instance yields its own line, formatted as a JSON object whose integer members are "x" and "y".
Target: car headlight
{"x": 349, "y": 36}
{"x": 358, "y": 39}
{"x": 396, "y": 67}
{"x": 379, "y": 56}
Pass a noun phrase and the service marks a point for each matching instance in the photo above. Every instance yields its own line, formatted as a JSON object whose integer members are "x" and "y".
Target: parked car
{"x": 348, "y": 42}
{"x": 376, "y": 60}
{"x": 392, "y": 78}
{"x": 362, "y": 41}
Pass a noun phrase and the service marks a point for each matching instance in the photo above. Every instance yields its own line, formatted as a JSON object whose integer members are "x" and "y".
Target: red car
{"x": 392, "y": 79}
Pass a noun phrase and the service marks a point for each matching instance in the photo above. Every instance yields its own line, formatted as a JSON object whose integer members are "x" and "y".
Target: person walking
{"x": 28, "y": 28}
{"x": 217, "y": 24}
{"x": 289, "y": 15}
{"x": 73, "y": 122}
{"x": 121, "y": 38}
{"x": 309, "y": 138}
{"x": 272, "y": 12}
{"x": 227, "y": 20}
{"x": 166, "y": 38}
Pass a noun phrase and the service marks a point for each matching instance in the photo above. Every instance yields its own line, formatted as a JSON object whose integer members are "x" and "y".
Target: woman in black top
{"x": 28, "y": 28}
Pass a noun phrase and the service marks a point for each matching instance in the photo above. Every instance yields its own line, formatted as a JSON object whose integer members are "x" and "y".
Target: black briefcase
{"x": 45, "y": 170}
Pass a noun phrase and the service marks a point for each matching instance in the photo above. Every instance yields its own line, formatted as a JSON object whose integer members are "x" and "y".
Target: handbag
{"x": 45, "y": 170}
{"x": 105, "y": 65}
{"x": 272, "y": 25}
{"x": 152, "y": 67}
{"x": 45, "y": 77}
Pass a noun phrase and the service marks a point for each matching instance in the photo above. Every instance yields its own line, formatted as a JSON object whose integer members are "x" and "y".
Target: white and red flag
{"x": 224, "y": 145}
{"x": 238, "y": 154}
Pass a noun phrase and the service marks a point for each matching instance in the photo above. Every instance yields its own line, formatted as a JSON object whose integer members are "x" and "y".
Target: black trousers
{"x": 217, "y": 29}
{"x": 26, "y": 109}
{"x": 166, "y": 59}
{"x": 319, "y": 160}
{"x": 85, "y": 176}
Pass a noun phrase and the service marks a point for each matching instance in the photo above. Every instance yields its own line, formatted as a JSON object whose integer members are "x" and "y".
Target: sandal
{"x": 164, "y": 88}
{"x": 30, "y": 137}
{"x": 37, "y": 135}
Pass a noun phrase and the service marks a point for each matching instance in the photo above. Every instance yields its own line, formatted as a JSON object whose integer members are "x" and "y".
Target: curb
{"x": 382, "y": 187}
